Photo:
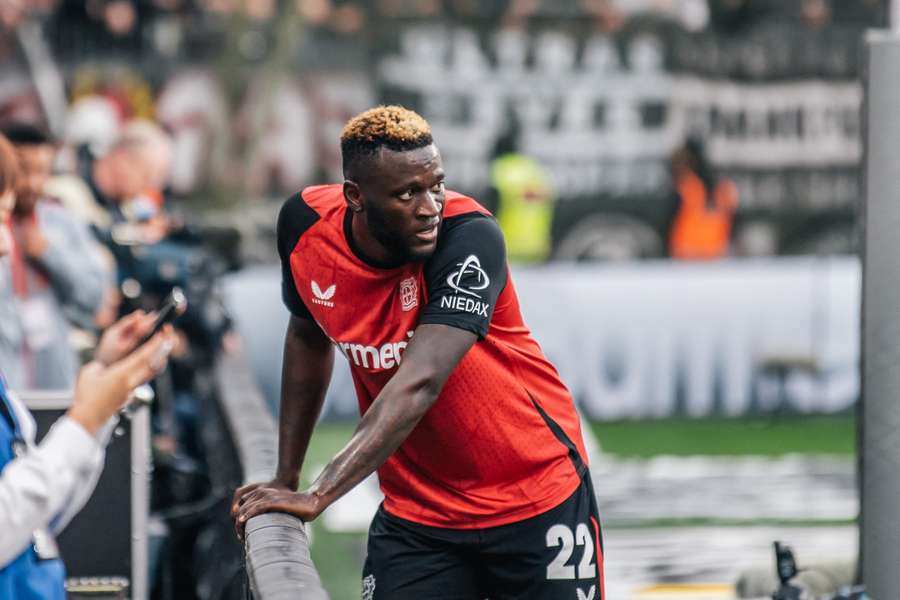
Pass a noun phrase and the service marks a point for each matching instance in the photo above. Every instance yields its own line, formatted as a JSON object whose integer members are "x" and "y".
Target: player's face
{"x": 404, "y": 201}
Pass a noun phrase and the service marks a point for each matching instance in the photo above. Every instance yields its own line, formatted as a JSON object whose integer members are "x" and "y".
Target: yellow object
{"x": 525, "y": 210}
{"x": 685, "y": 591}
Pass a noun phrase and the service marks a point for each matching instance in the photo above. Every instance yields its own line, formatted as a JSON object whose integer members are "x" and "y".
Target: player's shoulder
{"x": 305, "y": 208}
{"x": 324, "y": 199}
{"x": 460, "y": 205}
{"x": 466, "y": 225}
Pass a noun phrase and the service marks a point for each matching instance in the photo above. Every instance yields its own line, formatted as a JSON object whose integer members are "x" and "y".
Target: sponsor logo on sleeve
{"x": 323, "y": 298}
{"x": 470, "y": 278}
{"x": 467, "y": 281}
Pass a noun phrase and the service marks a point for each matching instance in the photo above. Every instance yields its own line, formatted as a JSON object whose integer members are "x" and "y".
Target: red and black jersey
{"x": 497, "y": 445}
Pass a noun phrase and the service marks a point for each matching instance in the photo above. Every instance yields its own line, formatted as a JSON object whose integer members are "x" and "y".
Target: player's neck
{"x": 365, "y": 246}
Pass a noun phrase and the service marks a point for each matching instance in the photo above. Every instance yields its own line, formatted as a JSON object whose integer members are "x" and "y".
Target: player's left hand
{"x": 265, "y": 499}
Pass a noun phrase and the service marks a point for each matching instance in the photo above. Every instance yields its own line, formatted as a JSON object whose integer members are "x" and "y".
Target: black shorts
{"x": 557, "y": 555}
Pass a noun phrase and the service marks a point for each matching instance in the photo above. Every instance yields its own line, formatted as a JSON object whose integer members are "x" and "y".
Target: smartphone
{"x": 173, "y": 306}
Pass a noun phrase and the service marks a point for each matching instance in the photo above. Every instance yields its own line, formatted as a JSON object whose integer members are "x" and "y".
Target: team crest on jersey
{"x": 409, "y": 294}
{"x": 323, "y": 298}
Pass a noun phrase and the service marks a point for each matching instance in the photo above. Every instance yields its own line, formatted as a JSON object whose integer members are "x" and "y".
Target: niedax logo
{"x": 323, "y": 298}
{"x": 470, "y": 278}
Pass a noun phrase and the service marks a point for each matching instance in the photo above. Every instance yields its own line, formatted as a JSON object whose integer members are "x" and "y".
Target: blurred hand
{"x": 101, "y": 390}
{"x": 108, "y": 312}
{"x": 155, "y": 229}
{"x": 264, "y": 499}
{"x": 30, "y": 238}
{"x": 122, "y": 336}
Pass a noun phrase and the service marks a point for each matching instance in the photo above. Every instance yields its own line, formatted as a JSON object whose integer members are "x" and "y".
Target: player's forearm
{"x": 301, "y": 403}
{"x": 388, "y": 422}
{"x": 305, "y": 376}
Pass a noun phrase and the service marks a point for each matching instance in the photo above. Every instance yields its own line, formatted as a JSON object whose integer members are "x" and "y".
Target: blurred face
{"x": 7, "y": 201}
{"x": 135, "y": 171}
{"x": 129, "y": 175}
{"x": 11, "y": 13}
{"x": 35, "y": 163}
{"x": 402, "y": 198}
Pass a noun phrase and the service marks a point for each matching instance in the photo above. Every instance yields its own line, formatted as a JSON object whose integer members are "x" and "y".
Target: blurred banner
{"x": 650, "y": 339}
{"x": 256, "y": 99}
{"x": 777, "y": 105}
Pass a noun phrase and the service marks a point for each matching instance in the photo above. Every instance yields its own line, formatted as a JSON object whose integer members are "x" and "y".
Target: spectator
{"x": 526, "y": 201}
{"x": 135, "y": 167}
{"x": 56, "y": 274}
{"x": 702, "y": 225}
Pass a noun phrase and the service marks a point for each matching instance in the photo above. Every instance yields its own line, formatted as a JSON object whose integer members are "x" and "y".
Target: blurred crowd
{"x": 88, "y": 241}
{"x": 253, "y": 94}
{"x": 140, "y": 24}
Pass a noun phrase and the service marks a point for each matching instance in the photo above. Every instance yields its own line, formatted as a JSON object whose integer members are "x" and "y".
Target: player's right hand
{"x": 240, "y": 494}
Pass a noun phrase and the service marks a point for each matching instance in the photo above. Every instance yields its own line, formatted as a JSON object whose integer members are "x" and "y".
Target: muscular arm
{"x": 305, "y": 374}
{"x": 308, "y": 360}
{"x": 431, "y": 356}
{"x": 433, "y": 353}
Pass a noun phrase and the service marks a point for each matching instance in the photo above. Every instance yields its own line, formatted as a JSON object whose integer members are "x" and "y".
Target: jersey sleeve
{"x": 466, "y": 274}
{"x": 293, "y": 220}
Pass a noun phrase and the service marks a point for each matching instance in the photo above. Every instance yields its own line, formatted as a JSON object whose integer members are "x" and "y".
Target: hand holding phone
{"x": 174, "y": 306}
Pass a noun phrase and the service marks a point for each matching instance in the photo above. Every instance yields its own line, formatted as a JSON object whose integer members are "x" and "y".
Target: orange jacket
{"x": 698, "y": 231}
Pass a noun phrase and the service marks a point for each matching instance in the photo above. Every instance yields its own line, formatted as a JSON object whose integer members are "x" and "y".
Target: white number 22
{"x": 561, "y": 535}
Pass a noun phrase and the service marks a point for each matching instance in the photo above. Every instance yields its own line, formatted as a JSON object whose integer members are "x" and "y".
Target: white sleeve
{"x": 82, "y": 493}
{"x": 36, "y": 487}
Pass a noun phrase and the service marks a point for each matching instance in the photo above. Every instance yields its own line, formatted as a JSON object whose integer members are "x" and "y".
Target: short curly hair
{"x": 394, "y": 127}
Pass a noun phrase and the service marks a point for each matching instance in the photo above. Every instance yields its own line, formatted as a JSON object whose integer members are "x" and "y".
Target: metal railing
{"x": 276, "y": 545}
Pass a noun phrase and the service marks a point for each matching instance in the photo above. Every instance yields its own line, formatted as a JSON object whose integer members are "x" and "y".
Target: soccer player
{"x": 476, "y": 441}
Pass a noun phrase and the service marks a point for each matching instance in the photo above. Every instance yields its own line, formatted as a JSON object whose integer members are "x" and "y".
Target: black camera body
{"x": 786, "y": 567}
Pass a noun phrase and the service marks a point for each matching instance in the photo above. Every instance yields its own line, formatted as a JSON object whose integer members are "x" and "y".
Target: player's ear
{"x": 353, "y": 196}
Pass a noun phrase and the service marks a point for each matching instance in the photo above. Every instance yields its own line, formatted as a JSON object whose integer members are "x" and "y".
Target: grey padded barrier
{"x": 276, "y": 546}
{"x": 278, "y": 561}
